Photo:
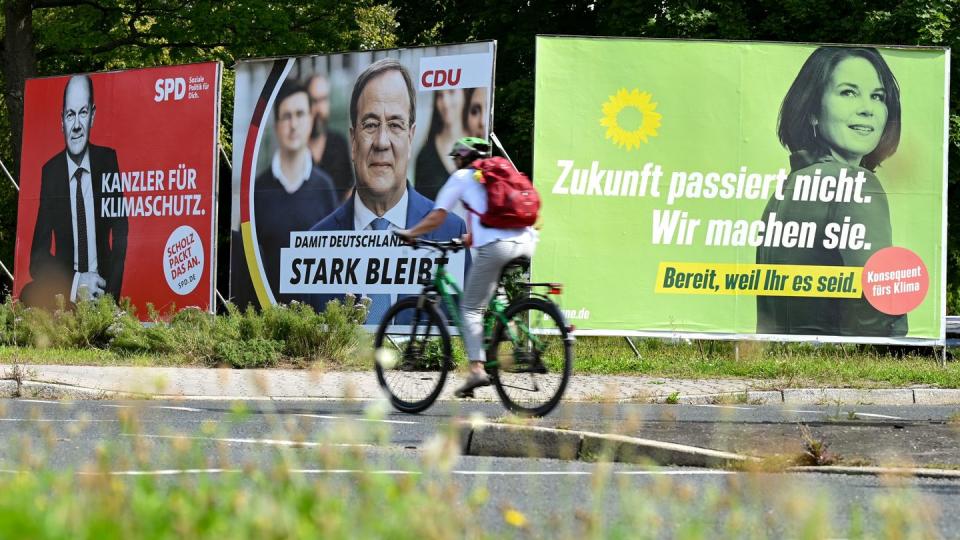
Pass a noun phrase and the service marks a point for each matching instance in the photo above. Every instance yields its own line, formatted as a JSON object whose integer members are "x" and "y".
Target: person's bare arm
{"x": 429, "y": 223}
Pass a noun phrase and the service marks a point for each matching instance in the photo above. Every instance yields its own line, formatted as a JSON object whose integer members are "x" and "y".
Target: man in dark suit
{"x": 76, "y": 252}
{"x": 382, "y": 125}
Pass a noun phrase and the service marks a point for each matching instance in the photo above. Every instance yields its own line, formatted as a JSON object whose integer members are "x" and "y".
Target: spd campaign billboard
{"x": 744, "y": 190}
{"x": 333, "y": 152}
{"x": 118, "y": 182}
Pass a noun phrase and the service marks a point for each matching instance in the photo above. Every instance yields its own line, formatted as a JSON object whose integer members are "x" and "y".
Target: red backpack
{"x": 512, "y": 201}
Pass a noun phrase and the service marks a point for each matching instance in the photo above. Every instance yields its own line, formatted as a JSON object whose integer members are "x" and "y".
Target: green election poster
{"x": 743, "y": 189}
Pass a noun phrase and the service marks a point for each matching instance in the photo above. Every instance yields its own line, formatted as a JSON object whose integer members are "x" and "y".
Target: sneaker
{"x": 474, "y": 380}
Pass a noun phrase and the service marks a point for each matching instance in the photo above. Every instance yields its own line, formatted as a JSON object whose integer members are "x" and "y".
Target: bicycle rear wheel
{"x": 533, "y": 355}
{"x": 412, "y": 354}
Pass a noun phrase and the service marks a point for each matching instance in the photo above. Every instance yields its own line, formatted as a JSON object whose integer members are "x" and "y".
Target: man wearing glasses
{"x": 76, "y": 251}
{"x": 383, "y": 117}
{"x": 293, "y": 193}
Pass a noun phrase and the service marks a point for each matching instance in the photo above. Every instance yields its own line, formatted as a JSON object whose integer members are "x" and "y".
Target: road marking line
{"x": 273, "y": 442}
{"x": 166, "y": 407}
{"x": 43, "y": 401}
{"x": 174, "y": 472}
{"x": 858, "y": 413}
{"x": 723, "y": 407}
{"x": 329, "y": 417}
{"x": 676, "y": 473}
{"x": 877, "y": 415}
{"x": 54, "y": 420}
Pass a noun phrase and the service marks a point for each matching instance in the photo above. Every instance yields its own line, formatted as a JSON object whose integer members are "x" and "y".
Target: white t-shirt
{"x": 462, "y": 187}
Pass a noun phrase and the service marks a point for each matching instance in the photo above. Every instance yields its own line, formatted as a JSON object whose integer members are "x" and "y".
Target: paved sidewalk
{"x": 92, "y": 382}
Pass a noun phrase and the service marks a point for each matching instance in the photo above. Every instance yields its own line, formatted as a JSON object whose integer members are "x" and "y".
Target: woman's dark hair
{"x": 805, "y": 97}
{"x": 436, "y": 121}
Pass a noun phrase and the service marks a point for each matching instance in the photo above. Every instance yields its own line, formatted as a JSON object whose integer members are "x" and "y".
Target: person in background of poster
{"x": 329, "y": 149}
{"x": 433, "y": 165}
{"x": 76, "y": 252}
{"x": 475, "y": 113}
{"x": 383, "y": 117}
{"x": 842, "y": 112}
{"x": 291, "y": 194}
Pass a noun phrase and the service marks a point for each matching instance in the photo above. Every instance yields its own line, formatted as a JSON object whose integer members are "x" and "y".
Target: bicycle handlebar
{"x": 454, "y": 245}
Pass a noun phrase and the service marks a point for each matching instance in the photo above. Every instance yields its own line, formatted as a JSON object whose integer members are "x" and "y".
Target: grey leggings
{"x": 488, "y": 262}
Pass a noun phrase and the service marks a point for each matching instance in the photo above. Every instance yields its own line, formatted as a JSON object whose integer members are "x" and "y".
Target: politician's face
{"x": 381, "y": 140}
{"x": 77, "y": 117}
{"x": 294, "y": 122}
{"x": 853, "y": 111}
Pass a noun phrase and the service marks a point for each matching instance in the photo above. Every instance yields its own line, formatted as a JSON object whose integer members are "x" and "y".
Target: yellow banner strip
{"x": 759, "y": 279}
{"x": 252, "y": 265}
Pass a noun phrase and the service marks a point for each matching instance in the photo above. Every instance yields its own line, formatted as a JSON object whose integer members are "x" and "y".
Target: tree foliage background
{"x": 52, "y": 37}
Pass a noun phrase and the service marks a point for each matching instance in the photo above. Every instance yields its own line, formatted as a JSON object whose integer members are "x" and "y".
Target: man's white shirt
{"x": 86, "y": 188}
{"x": 397, "y": 216}
{"x": 291, "y": 185}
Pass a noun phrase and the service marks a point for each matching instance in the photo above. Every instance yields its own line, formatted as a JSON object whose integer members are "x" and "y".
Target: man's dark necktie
{"x": 380, "y": 303}
{"x": 83, "y": 263}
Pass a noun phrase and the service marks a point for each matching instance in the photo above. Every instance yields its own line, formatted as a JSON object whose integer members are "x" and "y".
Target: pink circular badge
{"x": 895, "y": 280}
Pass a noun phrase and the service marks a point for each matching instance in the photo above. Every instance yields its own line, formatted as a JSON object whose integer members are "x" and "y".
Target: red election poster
{"x": 118, "y": 182}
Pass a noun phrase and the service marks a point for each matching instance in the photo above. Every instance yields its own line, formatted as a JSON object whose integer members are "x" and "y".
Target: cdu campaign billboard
{"x": 780, "y": 191}
{"x": 118, "y": 184}
{"x": 331, "y": 153}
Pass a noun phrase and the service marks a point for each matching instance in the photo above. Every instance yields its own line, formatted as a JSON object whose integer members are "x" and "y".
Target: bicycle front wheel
{"x": 412, "y": 353}
{"x": 531, "y": 357}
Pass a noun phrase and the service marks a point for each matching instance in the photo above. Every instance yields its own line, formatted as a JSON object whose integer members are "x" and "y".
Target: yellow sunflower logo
{"x": 648, "y": 123}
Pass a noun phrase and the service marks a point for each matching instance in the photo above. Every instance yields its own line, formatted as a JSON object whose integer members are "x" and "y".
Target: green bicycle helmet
{"x": 471, "y": 148}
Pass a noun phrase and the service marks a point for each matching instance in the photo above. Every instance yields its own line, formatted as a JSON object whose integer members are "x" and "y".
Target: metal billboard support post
{"x": 6, "y": 271}
{"x": 496, "y": 141}
{"x": 226, "y": 157}
{"x": 222, "y": 299}
{"x": 17, "y": 187}
{"x": 632, "y": 346}
{"x": 9, "y": 176}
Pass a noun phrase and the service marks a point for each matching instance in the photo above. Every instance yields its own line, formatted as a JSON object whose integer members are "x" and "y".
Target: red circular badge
{"x": 895, "y": 280}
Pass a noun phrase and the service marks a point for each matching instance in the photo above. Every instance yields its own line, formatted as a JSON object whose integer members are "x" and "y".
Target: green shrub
{"x": 253, "y": 338}
{"x": 252, "y": 353}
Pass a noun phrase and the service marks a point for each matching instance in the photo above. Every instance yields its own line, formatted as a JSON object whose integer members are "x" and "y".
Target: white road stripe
{"x": 329, "y": 417}
{"x": 72, "y": 420}
{"x": 41, "y": 401}
{"x": 165, "y": 407}
{"x": 877, "y": 415}
{"x": 272, "y": 442}
{"x": 723, "y": 407}
{"x": 175, "y": 472}
{"x": 858, "y": 413}
{"x": 697, "y": 472}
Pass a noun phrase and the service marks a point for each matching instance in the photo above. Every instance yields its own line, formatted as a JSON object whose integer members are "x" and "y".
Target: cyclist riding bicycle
{"x": 494, "y": 249}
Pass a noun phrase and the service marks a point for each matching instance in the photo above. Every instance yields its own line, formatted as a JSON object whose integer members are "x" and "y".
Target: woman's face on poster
{"x": 853, "y": 112}
{"x": 450, "y": 105}
{"x": 477, "y": 113}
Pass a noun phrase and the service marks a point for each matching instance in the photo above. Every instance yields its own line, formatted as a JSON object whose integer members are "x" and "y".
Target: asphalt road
{"x": 150, "y": 437}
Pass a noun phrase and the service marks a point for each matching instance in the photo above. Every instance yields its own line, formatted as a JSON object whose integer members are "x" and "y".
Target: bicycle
{"x": 529, "y": 345}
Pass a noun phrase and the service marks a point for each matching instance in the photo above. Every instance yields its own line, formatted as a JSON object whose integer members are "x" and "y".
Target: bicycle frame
{"x": 443, "y": 284}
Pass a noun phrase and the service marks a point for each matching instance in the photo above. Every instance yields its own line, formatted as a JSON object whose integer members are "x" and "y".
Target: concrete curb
{"x": 879, "y": 471}
{"x": 790, "y": 396}
{"x": 508, "y": 440}
{"x": 55, "y": 391}
{"x": 822, "y": 396}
